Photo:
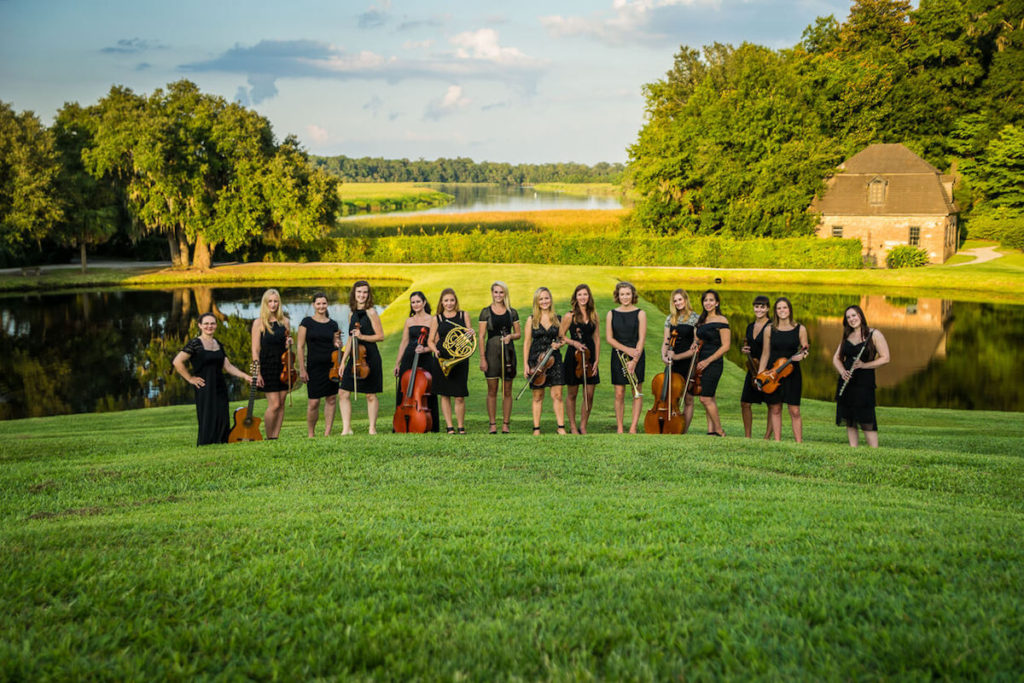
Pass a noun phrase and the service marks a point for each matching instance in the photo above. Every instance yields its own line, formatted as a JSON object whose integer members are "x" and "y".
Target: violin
{"x": 412, "y": 415}
{"x": 508, "y": 358}
{"x": 335, "y": 372}
{"x": 693, "y": 376}
{"x": 289, "y": 375}
{"x": 664, "y": 416}
{"x": 539, "y": 376}
{"x": 360, "y": 367}
{"x": 769, "y": 380}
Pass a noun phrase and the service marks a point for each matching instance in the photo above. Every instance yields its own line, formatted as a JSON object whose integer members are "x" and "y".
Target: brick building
{"x": 885, "y": 196}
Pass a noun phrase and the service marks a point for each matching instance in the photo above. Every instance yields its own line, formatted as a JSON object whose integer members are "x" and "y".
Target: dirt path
{"x": 980, "y": 254}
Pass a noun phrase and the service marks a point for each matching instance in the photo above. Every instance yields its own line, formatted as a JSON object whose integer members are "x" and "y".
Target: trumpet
{"x": 460, "y": 342}
{"x": 630, "y": 376}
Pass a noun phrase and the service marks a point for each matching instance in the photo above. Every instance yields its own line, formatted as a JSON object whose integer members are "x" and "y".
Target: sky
{"x": 522, "y": 82}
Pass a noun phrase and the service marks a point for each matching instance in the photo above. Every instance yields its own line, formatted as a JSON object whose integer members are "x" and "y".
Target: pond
{"x": 112, "y": 350}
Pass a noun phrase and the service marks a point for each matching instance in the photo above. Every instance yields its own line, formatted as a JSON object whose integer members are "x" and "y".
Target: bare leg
{"x": 372, "y": 408}
{"x": 775, "y": 414}
{"x": 768, "y": 425}
{"x": 638, "y": 406}
{"x": 446, "y": 410}
{"x": 620, "y": 406}
{"x": 586, "y": 408}
{"x": 536, "y": 407}
{"x": 748, "y": 418}
{"x": 346, "y": 412}
{"x": 687, "y": 412}
{"x": 506, "y": 404}
{"x": 492, "y": 398}
{"x": 711, "y": 409}
{"x": 460, "y": 411}
{"x": 330, "y": 407}
{"x": 853, "y": 436}
{"x": 559, "y": 405}
{"x": 798, "y": 423}
{"x": 312, "y": 414}
{"x": 274, "y": 417}
{"x": 871, "y": 438}
{"x": 571, "y": 392}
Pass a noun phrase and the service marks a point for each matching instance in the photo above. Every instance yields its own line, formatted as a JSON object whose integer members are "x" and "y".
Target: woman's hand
{"x": 703, "y": 364}
{"x": 304, "y": 375}
{"x": 396, "y": 370}
{"x": 197, "y": 382}
{"x": 483, "y": 365}
{"x": 259, "y": 380}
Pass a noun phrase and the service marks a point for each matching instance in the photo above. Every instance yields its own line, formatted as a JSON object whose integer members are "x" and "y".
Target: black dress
{"x": 752, "y": 394}
{"x": 496, "y": 324}
{"x": 856, "y": 407}
{"x": 686, "y": 332}
{"x": 211, "y": 399}
{"x": 272, "y": 346}
{"x": 626, "y": 330}
{"x": 581, "y": 332}
{"x": 373, "y": 383}
{"x": 319, "y": 346}
{"x": 541, "y": 340}
{"x": 784, "y": 345}
{"x": 426, "y": 364}
{"x": 710, "y": 334}
{"x": 457, "y": 382}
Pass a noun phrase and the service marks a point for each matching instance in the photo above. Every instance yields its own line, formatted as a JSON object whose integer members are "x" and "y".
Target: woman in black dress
{"x": 317, "y": 340}
{"x": 859, "y": 353}
{"x": 682, "y": 321}
{"x": 450, "y": 320}
{"x": 581, "y": 330}
{"x": 753, "y": 346}
{"x": 713, "y": 331}
{"x": 626, "y": 331}
{"x": 365, "y": 328}
{"x": 542, "y": 334}
{"x": 271, "y": 335}
{"x": 209, "y": 363}
{"x": 418, "y": 321}
{"x": 785, "y": 339}
{"x": 499, "y": 325}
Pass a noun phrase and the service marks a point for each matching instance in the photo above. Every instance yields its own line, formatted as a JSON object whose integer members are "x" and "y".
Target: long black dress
{"x": 626, "y": 330}
{"x": 581, "y": 332}
{"x": 856, "y": 407}
{"x": 752, "y": 394}
{"x": 541, "y": 340}
{"x": 212, "y": 398}
{"x": 710, "y": 334}
{"x": 374, "y": 382}
{"x": 686, "y": 332}
{"x": 272, "y": 346}
{"x": 426, "y": 364}
{"x": 497, "y": 325}
{"x": 319, "y": 346}
{"x": 457, "y": 382}
{"x": 785, "y": 344}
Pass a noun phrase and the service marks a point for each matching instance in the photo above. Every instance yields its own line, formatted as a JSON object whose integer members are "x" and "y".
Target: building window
{"x": 837, "y": 231}
{"x": 914, "y": 239}
{"x": 876, "y": 192}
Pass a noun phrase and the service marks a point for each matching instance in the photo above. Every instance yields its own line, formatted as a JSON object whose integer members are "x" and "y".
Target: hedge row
{"x": 576, "y": 249}
{"x": 1003, "y": 225}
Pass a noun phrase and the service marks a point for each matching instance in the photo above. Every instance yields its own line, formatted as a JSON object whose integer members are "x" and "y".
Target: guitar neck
{"x": 254, "y": 371}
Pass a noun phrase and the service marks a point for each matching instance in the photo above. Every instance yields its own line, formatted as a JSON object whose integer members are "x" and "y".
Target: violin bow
{"x": 586, "y": 404}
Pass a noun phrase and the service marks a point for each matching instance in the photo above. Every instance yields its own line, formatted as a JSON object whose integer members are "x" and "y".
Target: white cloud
{"x": 317, "y": 134}
{"x": 628, "y": 21}
{"x": 449, "y": 103}
{"x": 417, "y": 45}
{"x": 483, "y": 44}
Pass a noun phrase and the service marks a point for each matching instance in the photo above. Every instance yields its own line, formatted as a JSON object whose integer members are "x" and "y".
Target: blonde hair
{"x": 265, "y": 310}
{"x": 536, "y": 307}
{"x": 504, "y": 288}
{"x": 687, "y": 309}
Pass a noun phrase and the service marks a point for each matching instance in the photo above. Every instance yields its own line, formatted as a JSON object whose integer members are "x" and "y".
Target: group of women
{"x": 694, "y": 345}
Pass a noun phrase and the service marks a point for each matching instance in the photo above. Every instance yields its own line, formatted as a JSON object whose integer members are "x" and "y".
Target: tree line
{"x": 739, "y": 139}
{"x": 463, "y": 170}
{"x": 186, "y": 166}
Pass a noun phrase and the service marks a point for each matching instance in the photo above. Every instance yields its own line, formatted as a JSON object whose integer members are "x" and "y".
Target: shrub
{"x": 906, "y": 256}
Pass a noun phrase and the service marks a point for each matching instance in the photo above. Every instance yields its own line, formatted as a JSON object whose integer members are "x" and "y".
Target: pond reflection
{"x": 112, "y": 350}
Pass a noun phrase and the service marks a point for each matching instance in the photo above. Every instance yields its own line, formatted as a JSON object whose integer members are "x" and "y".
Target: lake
{"x": 112, "y": 350}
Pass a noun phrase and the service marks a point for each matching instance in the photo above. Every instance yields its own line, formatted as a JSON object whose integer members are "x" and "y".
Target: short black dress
{"x": 752, "y": 394}
{"x": 272, "y": 346}
{"x": 541, "y": 340}
{"x": 626, "y": 330}
{"x": 785, "y": 345}
{"x": 319, "y": 346}
{"x": 456, "y": 384}
{"x": 426, "y": 364}
{"x": 710, "y": 334}
{"x": 212, "y": 398}
{"x": 686, "y": 332}
{"x": 856, "y": 407}
{"x": 374, "y": 382}
{"x": 581, "y": 332}
{"x": 496, "y": 326}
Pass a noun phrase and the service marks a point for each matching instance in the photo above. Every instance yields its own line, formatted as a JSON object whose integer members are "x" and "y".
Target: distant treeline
{"x": 462, "y": 170}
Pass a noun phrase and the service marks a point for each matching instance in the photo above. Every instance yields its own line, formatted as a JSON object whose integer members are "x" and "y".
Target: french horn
{"x": 460, "y": 343}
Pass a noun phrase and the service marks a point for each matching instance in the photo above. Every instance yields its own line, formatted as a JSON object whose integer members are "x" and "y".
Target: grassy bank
{"x": 581, "y": 189}
{"x": 382, "y": 197}
{"x": 577, "y": 221}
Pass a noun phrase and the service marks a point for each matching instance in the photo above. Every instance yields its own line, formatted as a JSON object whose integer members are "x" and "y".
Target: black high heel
{"x": 536, "y": 430}
{"x": 561, "y": 429}
{"x": 450, "y": 430}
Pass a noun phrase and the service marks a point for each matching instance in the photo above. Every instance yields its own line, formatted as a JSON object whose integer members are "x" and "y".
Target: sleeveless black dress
{"x": 374, "y": 382}
{"x": 856, "y": 407}
{"x": 272, "y": 346}
{"x": 319, "y": 346}
{"x": 211, "y": 399}
{"x": 784, "y": 345}
{"x": 686, "y": 332}
{"x": 581, "y": 332}
{"x": 626, "y": 330}
{"x": 541, "y": 340}
{"x": 426, "y": 363}
{"x": 495, "y": 324}
{"x": 752, "y": 394}
{"x": 710, "y": 334}
{"x": 456, "y": 384}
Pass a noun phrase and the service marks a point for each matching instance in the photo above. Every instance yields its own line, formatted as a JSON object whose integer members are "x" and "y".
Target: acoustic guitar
{"x": 247, "y": 426}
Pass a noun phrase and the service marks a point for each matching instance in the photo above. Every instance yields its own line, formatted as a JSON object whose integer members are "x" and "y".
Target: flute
{"x": 847, "y": 381}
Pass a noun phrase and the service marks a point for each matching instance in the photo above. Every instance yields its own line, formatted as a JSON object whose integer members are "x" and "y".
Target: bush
{"x": 1003, "y": 225}
{"x": 906, "y": 256}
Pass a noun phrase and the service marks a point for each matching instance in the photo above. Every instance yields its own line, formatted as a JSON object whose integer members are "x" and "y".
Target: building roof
{"x": 912, "y": 185}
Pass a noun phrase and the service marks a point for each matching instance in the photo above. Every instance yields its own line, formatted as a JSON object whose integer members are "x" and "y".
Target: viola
{"x": 667, "y": 387}
{"x": 247, "y": 426}
{"x": 769, "y": 380}
{"x": 693, "y": 376}
{"x": 412, "y": 415}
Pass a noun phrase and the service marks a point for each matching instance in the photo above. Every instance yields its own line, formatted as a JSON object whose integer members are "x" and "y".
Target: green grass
{"x": 382, "y": 197}
{"x": 581, "y": 189}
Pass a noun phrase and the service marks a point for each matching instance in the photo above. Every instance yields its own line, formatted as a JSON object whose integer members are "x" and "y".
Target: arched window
{"x": 876, "y": 191}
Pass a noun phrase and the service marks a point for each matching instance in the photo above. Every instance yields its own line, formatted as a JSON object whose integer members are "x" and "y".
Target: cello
{"x": 413, "y": 414}
{"x": 664, "y": 416}
{"x": 247, "y": 426}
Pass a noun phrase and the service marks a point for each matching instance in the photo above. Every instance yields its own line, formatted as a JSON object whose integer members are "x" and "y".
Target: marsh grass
{"x": 582, "y": 221}
{"x": 381, "y": 197}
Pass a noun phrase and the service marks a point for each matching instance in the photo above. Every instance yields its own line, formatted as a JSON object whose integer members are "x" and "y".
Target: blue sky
{"x": 527, "y": 81}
